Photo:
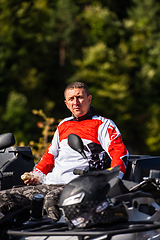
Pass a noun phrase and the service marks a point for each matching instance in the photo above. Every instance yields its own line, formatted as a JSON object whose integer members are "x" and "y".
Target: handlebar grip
{"x": 78, "y": 171}
{"x": 7, "y": 174}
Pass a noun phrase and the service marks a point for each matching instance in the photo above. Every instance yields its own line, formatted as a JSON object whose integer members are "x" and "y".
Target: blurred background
{"x": 112, "y": 46}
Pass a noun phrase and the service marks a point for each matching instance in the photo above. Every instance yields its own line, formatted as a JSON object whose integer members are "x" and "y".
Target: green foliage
{"x": 33, "y": 38}
{"x": 15, "y": 112}
{"x": 153, "y": 126}
{"x": 143, "y": 42}
{"x": 103, "y": 25}
{"x": 15, "y": 107}
{"x": 113, "y": 46}
{"x": 121, "y": 78}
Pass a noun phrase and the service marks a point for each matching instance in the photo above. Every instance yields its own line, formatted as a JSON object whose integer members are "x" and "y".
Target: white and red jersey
{"x": 103, "y": 146}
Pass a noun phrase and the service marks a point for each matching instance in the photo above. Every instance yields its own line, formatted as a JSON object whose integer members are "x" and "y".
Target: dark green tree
{"x": 123, "y": 77}
{"x": 33, "y": 40}
{"x": 113, "y": 46}
{"x": 144, "y": 87}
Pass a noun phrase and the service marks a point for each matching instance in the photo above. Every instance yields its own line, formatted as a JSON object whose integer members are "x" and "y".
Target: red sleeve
{"x": 46, "y": 163}
{"x": 117, "y": 150}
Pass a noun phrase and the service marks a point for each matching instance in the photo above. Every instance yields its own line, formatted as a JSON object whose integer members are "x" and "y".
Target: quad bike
{"x": 13, "y": 159}
{"x": 127, "y": 209}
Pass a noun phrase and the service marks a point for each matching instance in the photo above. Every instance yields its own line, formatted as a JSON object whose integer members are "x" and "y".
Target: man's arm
{"x": 111, "y": 141}
{"x": 43, "y": 167}
{"x": 46, "y": 163}
{"x": 119, "y": 154}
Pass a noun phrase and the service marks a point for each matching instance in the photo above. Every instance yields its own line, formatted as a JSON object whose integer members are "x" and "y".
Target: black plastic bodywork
{"x": 18, "y": 160}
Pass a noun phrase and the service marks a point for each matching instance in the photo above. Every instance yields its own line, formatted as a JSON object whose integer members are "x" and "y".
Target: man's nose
{"x": 76, "y": 100}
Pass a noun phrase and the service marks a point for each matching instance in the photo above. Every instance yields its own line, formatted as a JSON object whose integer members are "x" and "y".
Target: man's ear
{"x": 89, "y": 98}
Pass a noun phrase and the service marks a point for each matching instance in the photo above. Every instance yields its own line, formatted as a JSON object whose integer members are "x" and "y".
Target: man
{"x": 102, "y": 144}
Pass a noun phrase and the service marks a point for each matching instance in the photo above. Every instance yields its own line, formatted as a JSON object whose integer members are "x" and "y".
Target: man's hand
{"x": 30, "y": 179}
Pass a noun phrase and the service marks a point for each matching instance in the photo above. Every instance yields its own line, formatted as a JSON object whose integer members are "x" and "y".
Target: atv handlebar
{"x": 78, "y": 171}
{"x": 6, "y": 175}
{"x": 81, "y": 171}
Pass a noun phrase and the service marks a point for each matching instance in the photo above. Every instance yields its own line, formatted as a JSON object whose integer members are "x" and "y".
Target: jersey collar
{"x": 88, "y": 115}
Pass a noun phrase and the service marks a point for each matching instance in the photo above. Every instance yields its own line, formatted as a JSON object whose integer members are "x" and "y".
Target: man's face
{"x": 77, "y": 101}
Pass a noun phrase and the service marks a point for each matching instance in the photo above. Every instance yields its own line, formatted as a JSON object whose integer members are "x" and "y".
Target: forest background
{"x": 112, "y": 46}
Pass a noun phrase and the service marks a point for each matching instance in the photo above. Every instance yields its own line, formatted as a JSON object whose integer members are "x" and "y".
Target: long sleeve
{"x": 111, "y": 140}
{"x": 47, "y": 161}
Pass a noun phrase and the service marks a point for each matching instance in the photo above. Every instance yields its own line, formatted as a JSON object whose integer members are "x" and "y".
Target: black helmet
{"x": 85, "y": 202}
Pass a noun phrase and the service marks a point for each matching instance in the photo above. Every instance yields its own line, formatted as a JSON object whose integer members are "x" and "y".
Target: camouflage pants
{"x": 22, "y": 197}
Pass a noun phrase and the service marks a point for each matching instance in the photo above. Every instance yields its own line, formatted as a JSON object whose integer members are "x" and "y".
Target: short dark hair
{"x": 77, "y": 85}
